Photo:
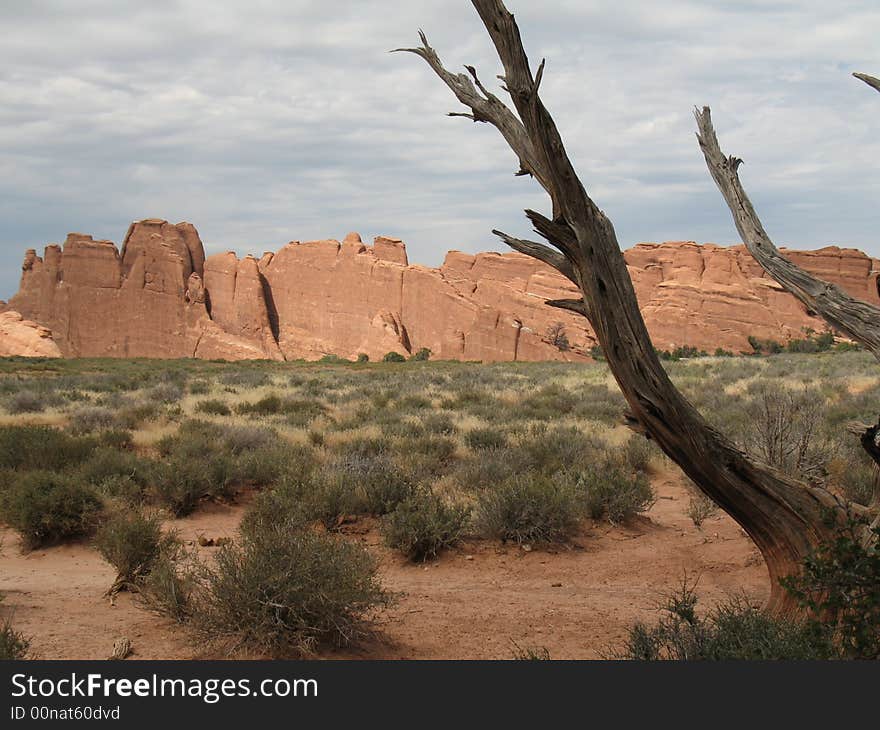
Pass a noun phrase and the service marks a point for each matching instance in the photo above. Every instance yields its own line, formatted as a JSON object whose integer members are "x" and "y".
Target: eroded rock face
{"x": 22, "y": 338}
{"x": 147, "y": 301}
{"x": 160, "y": 297}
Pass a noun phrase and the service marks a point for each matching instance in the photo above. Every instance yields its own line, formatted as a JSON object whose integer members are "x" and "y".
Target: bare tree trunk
{"x": 856, "y": 318}
{"x": 785, "y": 518}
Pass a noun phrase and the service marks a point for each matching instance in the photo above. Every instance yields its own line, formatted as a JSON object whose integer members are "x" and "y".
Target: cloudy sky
{"x": 264, "y": 121}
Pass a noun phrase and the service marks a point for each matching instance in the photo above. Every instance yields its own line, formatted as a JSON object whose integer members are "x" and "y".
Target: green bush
{"x": 167, "y": 589}
{"x": 423, "y": 525}
{"x": 613, "y": 492}
{"x": 734, "y": 630}
{"x": 485, "y": 438}
{"x": 165, "y": 393}
{"x": 842, "y": 579}
{"x": 281, "y": 591}
{"x": 117, "y": 473}
{"x": 283, "y": 505}
{"x": 214, "y": 407}
{"x": 131, "y": 542}
{"x": 393, "y": 357}
{"x": 180, "y": 483}
{"x": 363, "y": 357}
{"x": 329, "y": 497}
{"x": 638, "y": 453}
{"x": 438, "y": 423}
{"x": 423, "y": 355}
{"x": 268, "y": 405}
{"x": 529, "y": 508}
{"x": 42, "y": 447}
{"x": 90, "y": 419}
{"x": 46, "y": 508}
{"x": 13, "y": 644}
{"x": 26, "y": 401}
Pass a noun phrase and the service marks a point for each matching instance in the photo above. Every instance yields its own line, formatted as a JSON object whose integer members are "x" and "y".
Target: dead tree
{"x": 858, "y": 319}
{"x": 557, "y": 336}
{"x": 785, "y": 518}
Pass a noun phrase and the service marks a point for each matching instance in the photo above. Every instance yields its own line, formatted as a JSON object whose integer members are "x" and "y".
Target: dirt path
{"x": 473, "y": 603}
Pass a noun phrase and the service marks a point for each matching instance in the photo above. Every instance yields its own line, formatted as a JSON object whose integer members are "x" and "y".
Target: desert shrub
{"x": 783, "y": 428}
{"x": 423, "y": 525}
{"x": 422, "y": 355}
{"x": 842, "y": 578}
{"x": 700, "y": 507}
{"x": 46, "y": 508}
{"x": 133, "y": 415}
{"x": 547, "y": 403}
{"x": 852, "y": 471}
{"x": 599, "y": 403}
{"x": 328, "y": 497}
{"x": 379, "y": 485}
{"x": 268, "y": 405}
{"x": 180, "y": 483}
{"x": 530, "y": 653}
{"x": 393, "y": 357}
{"x": 199, "y": 387}
{"x": 413, "y": 403}
{"x": 167, "y": 589}
{"x": 488, "y": 468}
{"x": 214, "y": 407}
{"x": 239, "y": 439}
{"x": 131, "y": 542}
{"x": 117, "y": 473}
{"x": 116, "y": 438}
{"x": 638, "y": 452}
{"x": 302, "y": 412}
{"x": 529, "y": 508}
{"x": 282, "y": 506}
{"x": 549, "y": 450}
{"x": 280, "y": 591}
{"x": 732, "y": 630}
{"x": 363, "y": 357}
{"x": 26, "y": 401}
{"x": 438, "y": 449}
{"x": 438, "y": 423}
{"x": 13, "y": 644}
{"x": 42, "y": 447}
{"x": 246, "y": 378}
{"x": 362, "y": 447}
{"x": 612, "y": 491}
{"x": 193, "y": 439}
{"x": 90, "y": 419}
{"x": 165, "y": 393}
{"x": 485, "y": 438}
{"x": 268, "y": 465}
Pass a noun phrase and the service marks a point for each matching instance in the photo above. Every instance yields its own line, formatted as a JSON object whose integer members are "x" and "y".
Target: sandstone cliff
{"x": 161, "y": 297}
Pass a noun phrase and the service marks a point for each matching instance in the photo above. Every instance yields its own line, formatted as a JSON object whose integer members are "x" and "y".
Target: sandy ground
{"x": 473, "y": 603}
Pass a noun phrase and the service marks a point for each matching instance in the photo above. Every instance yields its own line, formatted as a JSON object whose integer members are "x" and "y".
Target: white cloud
{"x": 263, "y": 121}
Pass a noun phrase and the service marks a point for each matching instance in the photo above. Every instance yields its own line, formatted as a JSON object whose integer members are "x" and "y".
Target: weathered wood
{"x": 871, "y": 81}
{"x": 858, "y": 319}
{"x": 868, "y": 434}
{"x": 784, "y": 517}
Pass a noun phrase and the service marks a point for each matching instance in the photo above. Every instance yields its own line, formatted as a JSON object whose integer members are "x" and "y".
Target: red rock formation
{"x": 147, "y": 301}
{"x": 22, "y": 338}
{"x": 160, "y": 297}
